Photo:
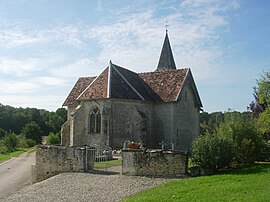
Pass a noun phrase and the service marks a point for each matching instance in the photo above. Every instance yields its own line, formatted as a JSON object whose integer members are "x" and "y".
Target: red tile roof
{"x": 167, "y": 84}
{"x": 78, "y": 88}
{"x": 97, "y": 89}
{"x": 125, "y": 84}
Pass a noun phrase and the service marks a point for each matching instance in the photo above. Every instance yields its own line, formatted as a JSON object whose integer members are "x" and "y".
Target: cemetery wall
{"x": 52, "y": 160}
{"x": 154, "y": 163}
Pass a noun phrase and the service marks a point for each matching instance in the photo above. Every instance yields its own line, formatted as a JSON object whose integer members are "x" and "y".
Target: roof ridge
{"x": 130, "y": 85}
{"x": 90, "y": 84}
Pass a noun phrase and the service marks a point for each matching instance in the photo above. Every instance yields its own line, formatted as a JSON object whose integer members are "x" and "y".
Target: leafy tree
{"x": 263, "y": 124}
{"x": 32, "y": 131}
{"x": 212, "y": 151}
{"x": 54, "y": 138}
{"x": 10, "y": 141}
{"x": 261, "y": 95}
{"x": 2, "y": 133}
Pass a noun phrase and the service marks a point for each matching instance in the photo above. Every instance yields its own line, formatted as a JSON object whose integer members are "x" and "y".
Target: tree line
{"x": 24, "y": 127}
{"x": 233, "y": 138}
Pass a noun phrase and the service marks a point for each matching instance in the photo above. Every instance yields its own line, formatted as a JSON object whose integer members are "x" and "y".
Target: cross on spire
{"x": 166, "y": 25}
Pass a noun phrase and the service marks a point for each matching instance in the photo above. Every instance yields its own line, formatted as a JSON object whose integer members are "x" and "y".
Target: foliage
{"x": 14, "y": 119}
{"x": 32, "y": 131}
{"x": 248, "y": 144}
{"x": 54, "y": 138}
{"x": 263, "y": 124}
{"x": 19, "y": 151}
{"x": 212, "y": 151}
{"x": 248, "y": 184}
{"x": 10, "y": 141}
{"x": 2, "y": 133}
{"x": 210, "y": 122}
{"x": 261, "y": 95}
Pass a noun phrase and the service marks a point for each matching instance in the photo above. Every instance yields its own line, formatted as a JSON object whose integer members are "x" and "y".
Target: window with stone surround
{"x": 94, "y": 121}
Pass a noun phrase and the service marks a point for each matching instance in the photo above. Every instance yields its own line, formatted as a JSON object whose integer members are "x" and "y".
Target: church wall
{"x": 132, "y": 121}
{"x": 77, "y": 126}
{"x": 186, "y": 119}
{"x": 65, "y": 129}
{"x": 163, "y": 124}
{"x": 79, "y": 121}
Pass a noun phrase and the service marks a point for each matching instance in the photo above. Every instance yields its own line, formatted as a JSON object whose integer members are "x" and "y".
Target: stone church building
{"x": 121, "y": 105}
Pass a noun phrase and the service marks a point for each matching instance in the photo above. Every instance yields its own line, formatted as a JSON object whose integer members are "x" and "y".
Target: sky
{"x": 46, "y": 45}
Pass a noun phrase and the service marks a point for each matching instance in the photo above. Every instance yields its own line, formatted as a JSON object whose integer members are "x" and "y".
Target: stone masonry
{"x": 154, "y": 163}
{"x": 52, "y": 160}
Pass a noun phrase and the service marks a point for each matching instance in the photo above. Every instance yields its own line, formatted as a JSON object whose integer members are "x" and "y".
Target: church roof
{"x": 118, "y": 82}
{"x": 163, "y": 85}
{"x": 166, "y": 60}
{"x": 78, "y": 88}
{"x": 167, "y": 84}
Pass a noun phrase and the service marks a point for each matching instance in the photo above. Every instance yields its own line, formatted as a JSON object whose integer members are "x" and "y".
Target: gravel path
{"x": 97, "y": 186}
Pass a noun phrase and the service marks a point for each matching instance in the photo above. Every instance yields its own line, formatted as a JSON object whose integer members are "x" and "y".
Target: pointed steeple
{"x": 166, "y": 61}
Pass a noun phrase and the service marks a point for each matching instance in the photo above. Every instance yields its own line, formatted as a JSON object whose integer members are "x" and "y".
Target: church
{"x": 120, "y": 105}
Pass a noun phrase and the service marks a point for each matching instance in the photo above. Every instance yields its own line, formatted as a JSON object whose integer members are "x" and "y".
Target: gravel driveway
{"x": 98, "y": 186}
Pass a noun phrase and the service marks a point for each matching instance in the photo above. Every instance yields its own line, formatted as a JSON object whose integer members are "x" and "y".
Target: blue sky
{"x": 45, "y": 45}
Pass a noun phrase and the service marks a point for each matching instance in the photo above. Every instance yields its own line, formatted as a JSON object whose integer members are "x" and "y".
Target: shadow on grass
{"x": 259, "y": 167}
{"x": 103, "y": 172}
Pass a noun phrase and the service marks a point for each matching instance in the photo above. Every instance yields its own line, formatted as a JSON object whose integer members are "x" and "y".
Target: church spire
{"x": 166, "y": 61}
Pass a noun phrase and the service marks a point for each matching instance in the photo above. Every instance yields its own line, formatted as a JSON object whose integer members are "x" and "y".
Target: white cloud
{"x": 20, "y": 67}
{"x": 79, "y": 68}
{"x": 48, "y": 102}
{"x": 17, "y": 87}
{"x": 135, "y": 40}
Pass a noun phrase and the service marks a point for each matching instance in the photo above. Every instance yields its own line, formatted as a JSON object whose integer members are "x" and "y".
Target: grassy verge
{"x": 107, "y": 164}
{"x": 247, "y": 184}
{"x": 18, "y": 152}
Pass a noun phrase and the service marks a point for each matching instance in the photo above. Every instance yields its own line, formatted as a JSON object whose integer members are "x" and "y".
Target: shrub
{"x": 21, "y": 141}
{"x": 53, "y": 138}
{"x": 212, "y": 151}
{"x": 10, "y": 141}
{"x": 30, "y": 142}
{"x": 248, "y": 144}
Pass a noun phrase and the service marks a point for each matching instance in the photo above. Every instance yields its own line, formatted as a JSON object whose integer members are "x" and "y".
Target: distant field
{"x": 18, "y": 152}
{"x": 248, "y": 184}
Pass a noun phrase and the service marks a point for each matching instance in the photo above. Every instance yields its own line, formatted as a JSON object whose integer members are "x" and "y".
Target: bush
{"x": 21, "y": 141}
{"x": 53, "y": 138}
{"x": 30, "y": 142}
{"x": 10, "y": 141}
{"x": 212, "y": 151}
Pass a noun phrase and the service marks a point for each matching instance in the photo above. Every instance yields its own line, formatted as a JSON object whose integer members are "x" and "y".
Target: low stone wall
{"x": 52, "y": 160}
{"x": 156, "y": 163}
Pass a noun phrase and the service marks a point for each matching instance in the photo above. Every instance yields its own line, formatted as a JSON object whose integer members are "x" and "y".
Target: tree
{"x": 212, "y": 151}
{"x": 261, "y": 95}
{"x": 10, "y": 141}
{"x": 33, "y": 131}
{"x": 54, "y": 138}
{"x": 2, "y": 133}
{"x": 263, "y": 124}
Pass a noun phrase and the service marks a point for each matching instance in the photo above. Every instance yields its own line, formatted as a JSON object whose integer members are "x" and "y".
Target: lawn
{"x": 248, "y": 184}
{"x": 18, "y": 152}
{"x": 107, "y": 164}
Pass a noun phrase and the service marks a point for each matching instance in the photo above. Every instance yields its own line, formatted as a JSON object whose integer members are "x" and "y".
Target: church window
{"x": 94, "y": 121}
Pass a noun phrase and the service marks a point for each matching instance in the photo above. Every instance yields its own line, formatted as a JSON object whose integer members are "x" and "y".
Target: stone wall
{"x": 156, "y": 163}
{"x": 52, "y": 160}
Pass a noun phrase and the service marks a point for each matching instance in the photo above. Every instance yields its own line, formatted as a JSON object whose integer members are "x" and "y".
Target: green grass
{"x": 18, "y": 152}
{"x": 247, "y": 184}
{"x": 107, "y": 164}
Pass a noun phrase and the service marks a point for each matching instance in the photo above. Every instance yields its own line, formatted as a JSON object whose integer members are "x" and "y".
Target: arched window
{"x": 94, "y": 121}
